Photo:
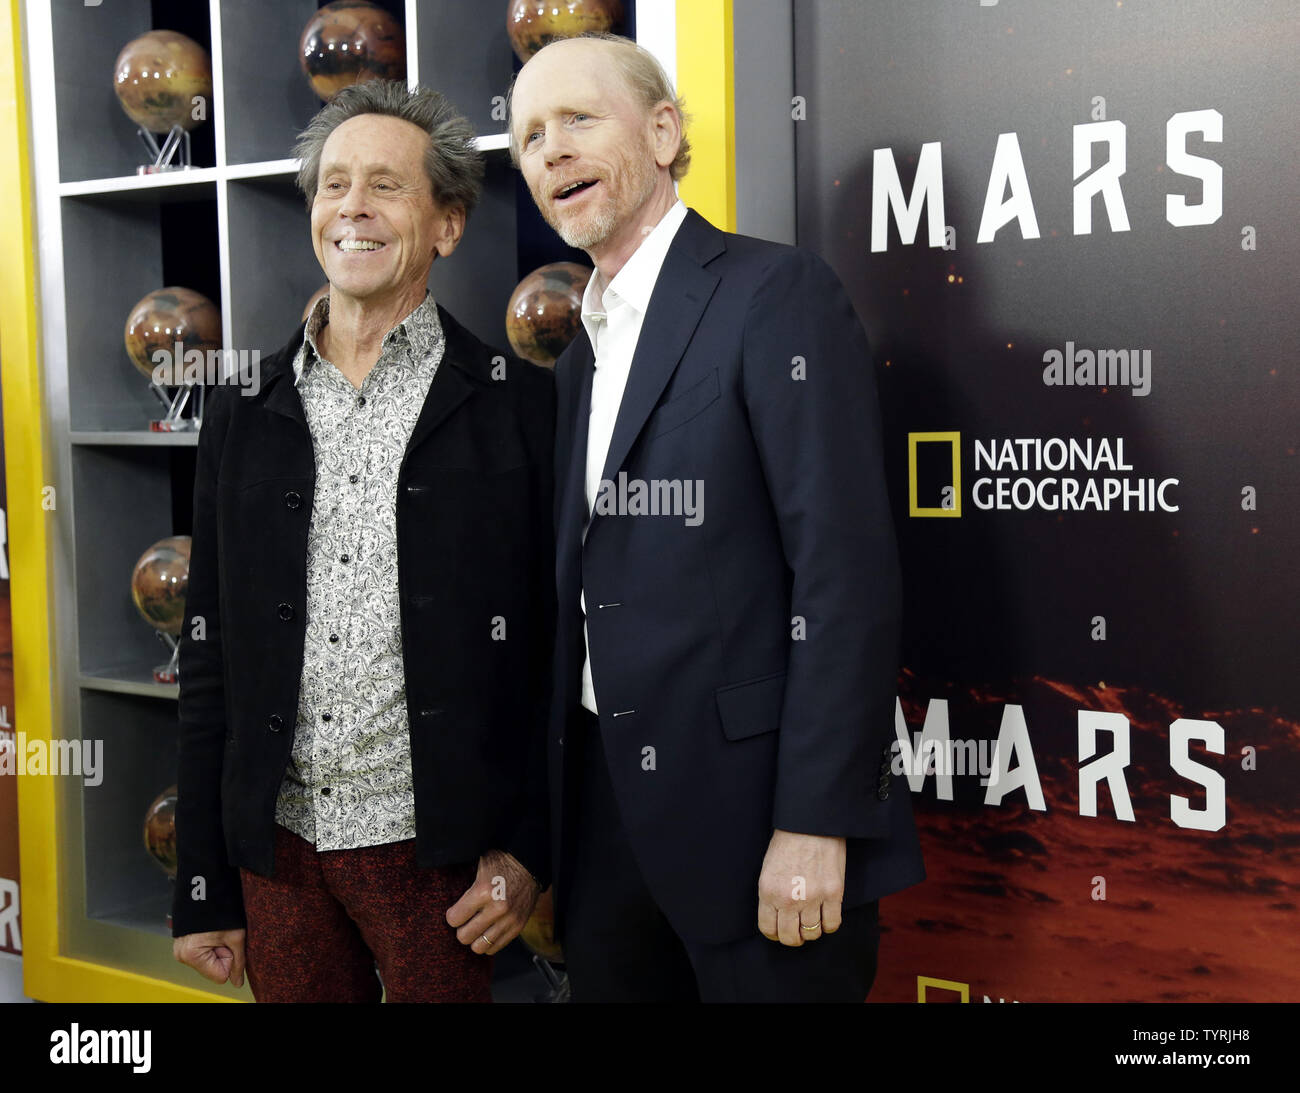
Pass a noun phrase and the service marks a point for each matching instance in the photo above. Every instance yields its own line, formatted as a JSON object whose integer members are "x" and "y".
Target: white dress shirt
{"x": 612, "y": 315}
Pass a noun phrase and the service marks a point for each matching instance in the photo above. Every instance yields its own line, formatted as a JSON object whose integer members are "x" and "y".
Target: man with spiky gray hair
{"x": 359, "y": 739}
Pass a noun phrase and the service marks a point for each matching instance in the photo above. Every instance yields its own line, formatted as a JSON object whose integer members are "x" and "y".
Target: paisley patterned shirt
{"x": 348, "y": 783}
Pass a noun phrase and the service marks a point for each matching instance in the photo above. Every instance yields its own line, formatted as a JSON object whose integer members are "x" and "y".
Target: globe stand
{"x": 177, "y": 140}
{"x": 557, "y": 983}
{"x": 174, "y": 420}
{"x": 169, "y": 672}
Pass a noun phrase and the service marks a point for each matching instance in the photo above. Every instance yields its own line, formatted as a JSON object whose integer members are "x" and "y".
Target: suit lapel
{"x": 281, "y": 395}
{"x": 461, "y": 354}
{"x": 681, "y": 294}
{"x": 573, "y": 376}
{"x": 448, "y": 389}
{"x": 575, "y": 411}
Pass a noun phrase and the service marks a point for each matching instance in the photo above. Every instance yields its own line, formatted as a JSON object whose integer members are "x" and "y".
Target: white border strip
{"x": 656, "y": 29}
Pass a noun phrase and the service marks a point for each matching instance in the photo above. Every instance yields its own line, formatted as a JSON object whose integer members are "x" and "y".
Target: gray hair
{"x": 453, "y": 161}
{"x": 645, "y": 78}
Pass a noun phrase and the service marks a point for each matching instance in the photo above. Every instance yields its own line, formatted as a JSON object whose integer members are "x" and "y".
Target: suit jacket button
{"x": 293, "y": 500}
{"x": 275, "y": 723}
{"x": 561, "y": 741}
{"x": 286, "y": 611}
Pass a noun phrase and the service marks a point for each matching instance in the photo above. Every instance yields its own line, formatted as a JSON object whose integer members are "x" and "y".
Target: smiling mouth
{"x": 566, "y": 193}
{"x": 349, "y": 246}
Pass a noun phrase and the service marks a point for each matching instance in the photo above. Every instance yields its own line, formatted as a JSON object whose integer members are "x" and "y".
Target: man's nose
{"x": 556, "y": 145}
{"x": 354, "y": 203}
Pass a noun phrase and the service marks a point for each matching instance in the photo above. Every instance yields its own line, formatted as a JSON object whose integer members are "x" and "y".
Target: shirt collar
{"x": 420, "y": 329}
{"x": 635, "y": 282}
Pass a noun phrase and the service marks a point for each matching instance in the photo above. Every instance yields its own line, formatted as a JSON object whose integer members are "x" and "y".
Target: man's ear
{"x": 451, "y": 223}
{"x": 666, "y": 132}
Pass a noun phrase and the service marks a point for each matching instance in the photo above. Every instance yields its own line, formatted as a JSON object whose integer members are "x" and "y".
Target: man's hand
{"x": 217, "y": 955}
{"x": 497, "y": 905}
{"x": 801, "y": 887}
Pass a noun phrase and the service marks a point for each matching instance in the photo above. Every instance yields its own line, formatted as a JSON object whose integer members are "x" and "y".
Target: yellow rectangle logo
{"x": 952, "y": 493}
{"x": 926, "y": 983}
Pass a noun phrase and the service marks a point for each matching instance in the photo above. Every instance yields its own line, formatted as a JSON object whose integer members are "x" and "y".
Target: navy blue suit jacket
{"x": 755, "y": 652}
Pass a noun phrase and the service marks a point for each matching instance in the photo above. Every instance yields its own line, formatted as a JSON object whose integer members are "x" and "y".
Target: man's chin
{"x": 579, "y": 240}
{"x": 356, "y": 288}
{"x": 583, "y": 235}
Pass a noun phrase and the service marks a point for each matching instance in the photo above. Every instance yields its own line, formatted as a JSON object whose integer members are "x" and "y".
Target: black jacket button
{"x": 286, "y": 611}
{"x": 293, "y": 500}
{"x": 275, "y": 722}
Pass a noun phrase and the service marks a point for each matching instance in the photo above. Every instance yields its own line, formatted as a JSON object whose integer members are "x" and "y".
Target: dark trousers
{"x": 329, "y": 925}
{"x": 619, "y": 947}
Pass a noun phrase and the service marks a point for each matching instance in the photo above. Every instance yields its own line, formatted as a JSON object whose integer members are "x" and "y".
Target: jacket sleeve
{"x": 530, "y": 842}
{"x": 207, "y": 894}
{"x": 813, "y": 408}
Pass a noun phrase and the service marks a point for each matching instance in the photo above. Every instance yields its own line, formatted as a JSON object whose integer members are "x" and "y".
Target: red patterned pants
{"x": 344, "y": 925}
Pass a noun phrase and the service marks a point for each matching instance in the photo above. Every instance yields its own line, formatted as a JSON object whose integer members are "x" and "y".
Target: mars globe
{"x": 160, "y": 830}
{"x": 162, "y": 319}
{"x": 545, "y": 311}
{"x": 159, "y": 581}
{"x": 347, "y": 42}
{"x": 158, "y": 77}
{"x": 533, "y": 24}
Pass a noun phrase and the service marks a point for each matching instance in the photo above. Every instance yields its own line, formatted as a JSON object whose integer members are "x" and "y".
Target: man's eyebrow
{"x": 561, "y": 111}
{"x": 523, "y": 123}
{"x": 377, "y": 169}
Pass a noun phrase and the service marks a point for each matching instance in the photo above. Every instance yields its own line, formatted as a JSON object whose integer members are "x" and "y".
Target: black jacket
{"x": 755, "y": 650}
{"x": 474, "y": 545}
